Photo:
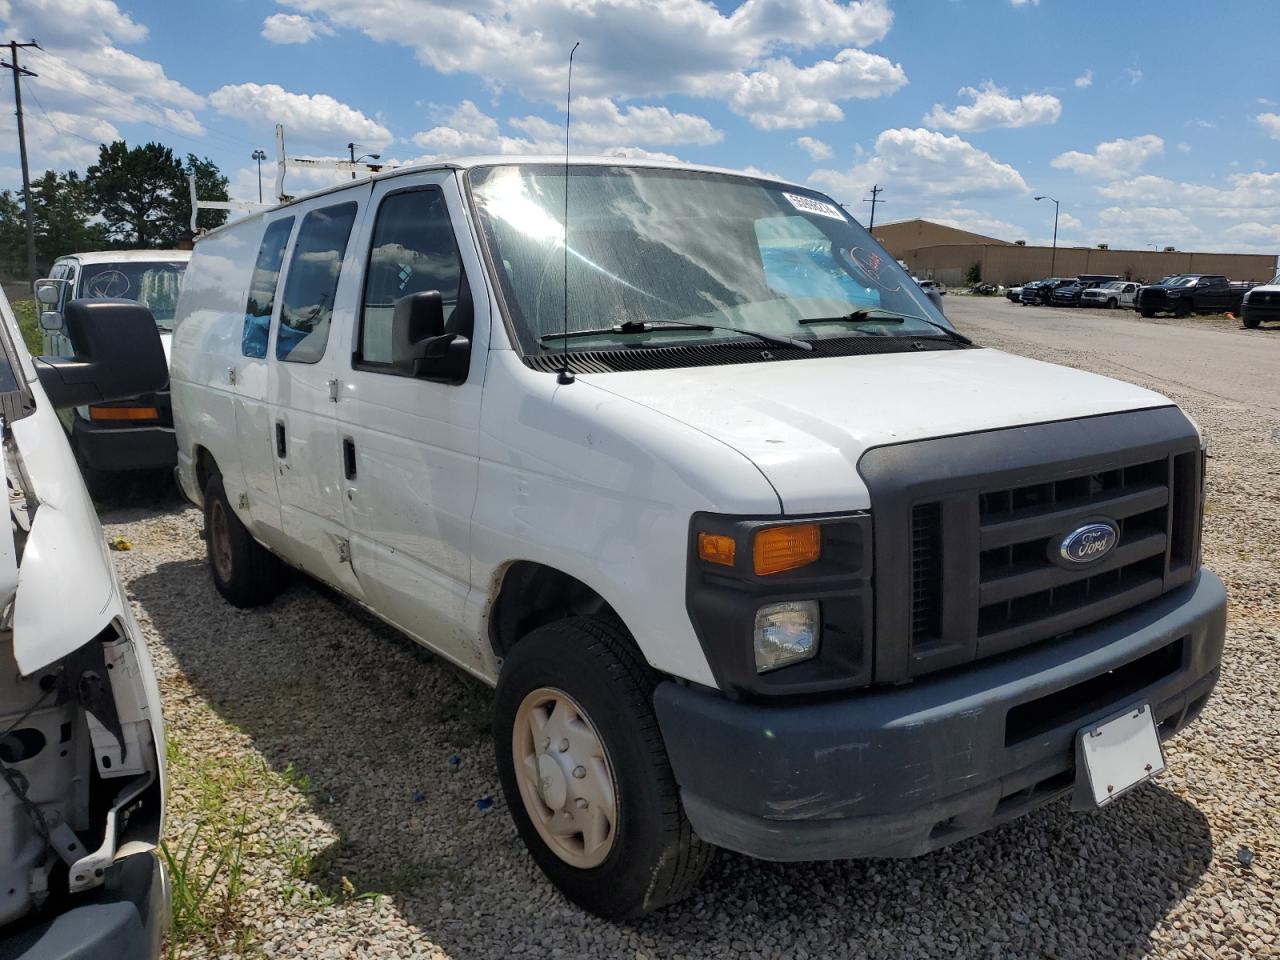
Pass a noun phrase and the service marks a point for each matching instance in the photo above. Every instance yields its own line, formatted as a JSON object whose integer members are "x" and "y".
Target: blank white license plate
{"x": 1120, "y": 753}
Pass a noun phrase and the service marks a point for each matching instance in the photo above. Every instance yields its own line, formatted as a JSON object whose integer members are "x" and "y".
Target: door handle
{"x": 349, "y": 458}
{"x": 282, "y": 449}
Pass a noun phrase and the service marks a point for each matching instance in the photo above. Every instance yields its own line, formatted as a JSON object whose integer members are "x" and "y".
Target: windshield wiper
{"x": 881, "y": 315}
{"x": 644, "y": 326}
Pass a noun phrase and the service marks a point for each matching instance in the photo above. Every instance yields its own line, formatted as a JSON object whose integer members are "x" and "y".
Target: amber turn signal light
{"x": 124, "y": 413}
{"x": 779, "y": 549}
{"x": 717, "y": 548}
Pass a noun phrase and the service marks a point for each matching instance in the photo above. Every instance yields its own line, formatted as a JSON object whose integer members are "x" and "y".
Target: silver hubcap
{"x": 565, "y": 777}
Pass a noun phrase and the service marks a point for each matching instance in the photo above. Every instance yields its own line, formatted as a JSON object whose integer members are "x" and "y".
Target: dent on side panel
{"x": 602, "y": 489}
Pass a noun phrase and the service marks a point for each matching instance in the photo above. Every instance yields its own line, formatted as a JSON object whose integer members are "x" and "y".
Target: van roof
{"x": 128, "y": 256}
{"x": 489, "y": 160}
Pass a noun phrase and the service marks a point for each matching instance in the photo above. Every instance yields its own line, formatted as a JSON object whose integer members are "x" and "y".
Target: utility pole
{"x": 18, "y": 74}
{"x": 876, "y": 190}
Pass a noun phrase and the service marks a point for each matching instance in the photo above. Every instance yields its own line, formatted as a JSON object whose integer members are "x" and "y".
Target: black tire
{"x": 1111, "y": 304}
{"x": 1250, "y": 322}
{"x": 246, "y": 574}
{"x": 1147, "y": 313}
{"x": 656, "y": 858}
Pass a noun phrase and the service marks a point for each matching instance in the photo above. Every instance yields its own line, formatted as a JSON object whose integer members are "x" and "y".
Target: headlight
{"x": 786, "y": 633}
{"x": 1174, "y": 295}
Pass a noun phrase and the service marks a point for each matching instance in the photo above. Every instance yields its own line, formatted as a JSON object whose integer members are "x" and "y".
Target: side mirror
{"x": 118, "y": 354}
{"x": 51, "y": 320}
{"x": 47, "y": 292}
{"x": 420, "y": 347}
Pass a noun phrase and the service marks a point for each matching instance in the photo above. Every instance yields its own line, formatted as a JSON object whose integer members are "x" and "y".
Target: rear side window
{"x": 312, "y": 283}
{"x": 262, "y": 289}
{"x": 413, "y": 250}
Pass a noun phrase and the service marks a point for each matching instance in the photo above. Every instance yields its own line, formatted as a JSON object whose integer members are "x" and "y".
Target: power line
{"x": 18, "y": 73}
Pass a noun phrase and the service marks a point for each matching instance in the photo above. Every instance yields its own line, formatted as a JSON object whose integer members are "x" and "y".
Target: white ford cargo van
{"x": 81, "y": 745}
{"x": 758, "y": 551}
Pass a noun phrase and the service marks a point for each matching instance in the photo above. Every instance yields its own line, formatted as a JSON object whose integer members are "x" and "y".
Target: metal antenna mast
{"x": 18, "y": 74}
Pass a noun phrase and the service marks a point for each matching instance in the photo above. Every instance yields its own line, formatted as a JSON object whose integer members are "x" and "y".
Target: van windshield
{"x": 648, "y": 245}
{"x": 154, "y": 284}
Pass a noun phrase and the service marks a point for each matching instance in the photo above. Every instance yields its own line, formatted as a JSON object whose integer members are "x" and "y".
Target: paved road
{"x": 1205, "y": 356}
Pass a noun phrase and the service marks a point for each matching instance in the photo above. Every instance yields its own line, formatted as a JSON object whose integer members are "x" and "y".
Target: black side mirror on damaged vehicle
{"x": 420, "y": 346}
{"x": 118, "y": 354}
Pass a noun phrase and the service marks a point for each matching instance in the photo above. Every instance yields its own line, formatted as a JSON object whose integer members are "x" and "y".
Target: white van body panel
{"x": 805, "y": 424}
{"x": 602, "y": 488}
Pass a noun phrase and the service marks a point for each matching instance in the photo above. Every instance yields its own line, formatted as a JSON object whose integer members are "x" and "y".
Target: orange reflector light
{"x": 716, "y": 548}
{"x": 779, "y": 549}
{"x": 124, "y": 413}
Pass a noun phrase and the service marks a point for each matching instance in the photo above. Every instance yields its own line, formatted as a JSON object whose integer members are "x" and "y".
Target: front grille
{"x": 1022, "y": 595}
{"x": 968, "y": 531}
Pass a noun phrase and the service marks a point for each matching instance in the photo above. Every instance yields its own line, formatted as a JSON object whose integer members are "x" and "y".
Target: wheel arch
{"x": 527, "y": 594}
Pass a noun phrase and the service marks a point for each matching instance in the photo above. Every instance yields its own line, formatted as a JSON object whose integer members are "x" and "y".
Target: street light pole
{"x": 1053, "y": 256}
{"x": 259, "y": 155}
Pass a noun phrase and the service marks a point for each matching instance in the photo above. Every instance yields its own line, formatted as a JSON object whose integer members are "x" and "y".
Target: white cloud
{"x": 781, "y": 95}
{"x": 975, "y": 221}
{"x": 74, "y": 24}
{"x": 1184, "y": 147}
{"x": 1270, "y": 123}
{"x": 293, "y": 28}
{"x": 1113, "y": 159}
{"x": 1024, "y": 3}
{"x": 1084, "y": 80}
{"x": 470, "y": 131}
{"x": 642, "y": 48}
{"x": 59, "y": 141}
{"x": 924, "y": 163}
{"x": 1253, "y": 195}
{"x": 598, "y": 120}
{"x": 817, "y": 149}
{"x": 1133, "y": 75}
{"x": 315, "y": 118}
{"x": 993, "y": 107}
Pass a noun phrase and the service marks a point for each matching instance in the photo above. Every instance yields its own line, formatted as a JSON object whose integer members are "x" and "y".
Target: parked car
{"x": 1190, "y": 293}
{"x": 1112, "y": 294}
{"x": 692, "y": 520}
{"x": 134, "y": 433}
{"x": 1261, "y": 304}
{"x": 1014, "y": 293}
{"x": 82, "y": 748}
{"x": 1041, "y": 292}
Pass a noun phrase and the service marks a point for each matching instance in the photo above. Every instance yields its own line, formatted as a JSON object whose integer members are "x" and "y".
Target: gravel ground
{"x": 335, "y": 741}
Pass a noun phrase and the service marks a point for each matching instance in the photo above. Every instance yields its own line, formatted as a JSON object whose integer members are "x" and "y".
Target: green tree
{"x": 13, "y": 238}
{"x": 143, "y": 196}
{"x": 63, "y": 217}
{"x": 973, "y": 276}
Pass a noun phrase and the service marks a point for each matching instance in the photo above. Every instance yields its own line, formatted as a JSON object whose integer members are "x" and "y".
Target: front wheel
{"x": 1250, "y": 322}
{"x": 1111, "y": 304}
{"x": 585, "y": 772}
{"x": 1147, "y": 313}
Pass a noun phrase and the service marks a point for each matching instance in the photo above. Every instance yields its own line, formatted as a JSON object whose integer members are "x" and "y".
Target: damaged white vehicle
{"x": 81, "y": 741}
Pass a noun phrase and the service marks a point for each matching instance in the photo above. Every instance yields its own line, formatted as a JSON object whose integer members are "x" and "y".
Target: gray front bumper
{"x": 901, "y": 771}
{"x": 124, "y": 919}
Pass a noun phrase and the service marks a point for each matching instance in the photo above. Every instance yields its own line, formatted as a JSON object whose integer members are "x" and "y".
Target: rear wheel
{"x": 585, "y": 773}
{"x": 244, "y": 571}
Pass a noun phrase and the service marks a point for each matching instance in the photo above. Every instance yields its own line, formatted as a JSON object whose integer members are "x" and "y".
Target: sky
{"x": 1151, "y": 122}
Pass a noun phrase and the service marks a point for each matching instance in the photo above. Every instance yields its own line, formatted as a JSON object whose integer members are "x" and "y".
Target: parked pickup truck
{"x": 1190, "y": 293}
{"x": 1261, "y": 304}
{"x": 757, "y": 549}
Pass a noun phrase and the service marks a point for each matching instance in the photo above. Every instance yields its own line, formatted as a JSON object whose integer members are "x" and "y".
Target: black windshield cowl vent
{"x": 620, "y": 359}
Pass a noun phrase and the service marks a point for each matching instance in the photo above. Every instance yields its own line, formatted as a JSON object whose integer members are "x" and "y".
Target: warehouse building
{"x": 939, "y": 252}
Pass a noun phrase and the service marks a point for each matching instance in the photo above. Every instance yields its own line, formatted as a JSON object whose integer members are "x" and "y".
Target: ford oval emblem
{"x": 1091, "y": 542}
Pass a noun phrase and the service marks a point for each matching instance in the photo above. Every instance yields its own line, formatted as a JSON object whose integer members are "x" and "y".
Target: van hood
{"x": 806, "y": 423}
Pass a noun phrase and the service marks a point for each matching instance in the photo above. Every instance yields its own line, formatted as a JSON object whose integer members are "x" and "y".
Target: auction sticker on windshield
{"x": 1121, "y": 753}
{"x": 818, "y": 207}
